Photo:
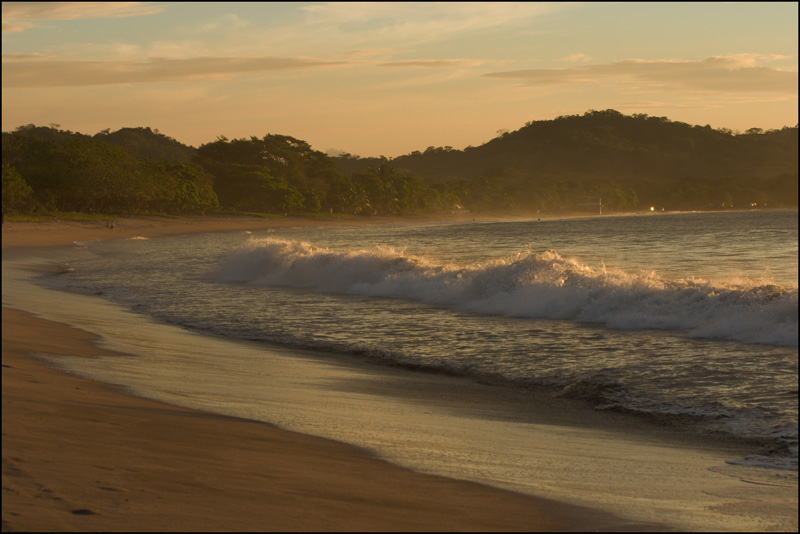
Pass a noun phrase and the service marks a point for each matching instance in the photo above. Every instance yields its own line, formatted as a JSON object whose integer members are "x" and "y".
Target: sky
{"x": 389, "y": 78}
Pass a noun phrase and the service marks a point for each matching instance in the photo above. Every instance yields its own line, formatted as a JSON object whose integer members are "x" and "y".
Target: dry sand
{"x": 78, "y": 456}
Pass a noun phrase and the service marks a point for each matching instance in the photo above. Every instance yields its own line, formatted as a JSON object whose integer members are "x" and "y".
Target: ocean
{"x": 688, "y": 321}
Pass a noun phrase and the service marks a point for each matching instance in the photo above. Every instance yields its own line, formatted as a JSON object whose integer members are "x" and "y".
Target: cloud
{"x": 21, "y": 72}
{"x": 378, "y": 24}
{"x": 431, "y": 63}
{"x": 16, "y": 27}
{"x": 709, "y": 102}
{"x": 729, "y": 74}
{"x": 28, "y": 11}
{"x": 371, "y": 52}
{"x": 20, "y": 16}
{"x": 8, "y": 58}
{"x": 574, "y": 58}
{"x": 383, "y": 16}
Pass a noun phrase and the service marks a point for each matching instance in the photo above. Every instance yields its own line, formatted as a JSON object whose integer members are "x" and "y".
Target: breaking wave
{"x": 530, "y": 285}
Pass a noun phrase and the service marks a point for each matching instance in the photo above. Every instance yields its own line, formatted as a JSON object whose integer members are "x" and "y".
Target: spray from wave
{"x": 529, "y": 285}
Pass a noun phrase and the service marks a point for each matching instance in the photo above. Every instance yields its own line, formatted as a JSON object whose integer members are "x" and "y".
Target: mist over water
{"x": 684, "y": 317}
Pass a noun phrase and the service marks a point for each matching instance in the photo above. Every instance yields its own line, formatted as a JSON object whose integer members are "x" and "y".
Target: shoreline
{"x": 64, "y": 232}
{"x": 79, "y": 456}
{"x": 69, "y": 450}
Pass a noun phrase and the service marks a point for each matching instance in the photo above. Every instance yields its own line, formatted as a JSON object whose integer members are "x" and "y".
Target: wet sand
{"x": 59, "y": 232}
{"x": 79, "y": 456}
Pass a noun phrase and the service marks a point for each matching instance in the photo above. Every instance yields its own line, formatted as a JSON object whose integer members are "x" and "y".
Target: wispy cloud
{"x": 369, "y": 53}
{"x": 20, "y": 16}
{"x": 574, "y": 58}
{"x": 8, "y": 58}
{"x": 698, "y": 102}
{"x": 412, "y": 17}
{"x": 329, "y": 29}
{"x": 432, "y": 63}
{"x": 21, "y": 72}
{"x": 380, "y": 24}
{"x": 28, "y": 11}
{"x": 16, "y": 27}
{"x": 730, "y": 74}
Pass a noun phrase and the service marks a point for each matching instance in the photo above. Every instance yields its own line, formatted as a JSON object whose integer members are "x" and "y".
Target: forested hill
{"x": 666, "y": 163}
{"x": 628, "y": 162}
{"x": 133, "y": 170}
{"x": 149, "y": 144}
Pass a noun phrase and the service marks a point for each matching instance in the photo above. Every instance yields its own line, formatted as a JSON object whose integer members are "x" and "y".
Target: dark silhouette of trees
{"x": 281, "y": 174}
{"x": 274, "y": 174}
{"x": 630, "y": 162}
{"x": 74, "y": 172}
{"x": 149, "y": 144}
{"x": 16, "y": 191}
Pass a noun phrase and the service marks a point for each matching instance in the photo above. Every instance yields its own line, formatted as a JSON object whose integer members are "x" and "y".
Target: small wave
{"x": 530, "y": 285}
{"x": 138, "y": 238}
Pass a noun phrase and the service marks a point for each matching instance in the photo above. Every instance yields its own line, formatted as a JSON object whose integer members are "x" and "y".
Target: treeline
{"x": 139, "y": 170}
{"x": 630, "y": 162}
{"x": 281, "y": 174}
{"x": 47, "y": 169}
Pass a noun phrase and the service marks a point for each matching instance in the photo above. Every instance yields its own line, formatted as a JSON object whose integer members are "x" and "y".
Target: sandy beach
{"x": 79, "y": 456}
{"x": 60, "y": 232}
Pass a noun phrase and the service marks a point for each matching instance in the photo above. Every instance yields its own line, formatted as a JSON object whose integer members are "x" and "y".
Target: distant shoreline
{"x": 64, "y": 232}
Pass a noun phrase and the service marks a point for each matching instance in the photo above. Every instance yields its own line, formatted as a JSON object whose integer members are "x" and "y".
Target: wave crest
{"x": 529, "y": 285}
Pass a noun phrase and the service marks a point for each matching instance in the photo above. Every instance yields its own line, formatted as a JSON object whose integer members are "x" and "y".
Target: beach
{"x": 80, "y": 456}
{"x": 331, "y": 443}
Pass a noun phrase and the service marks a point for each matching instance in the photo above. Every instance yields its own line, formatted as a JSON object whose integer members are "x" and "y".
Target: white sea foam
{"x": 530, "y": 285}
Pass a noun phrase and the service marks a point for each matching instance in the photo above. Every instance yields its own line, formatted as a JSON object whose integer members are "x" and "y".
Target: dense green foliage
{"x": 149, "y": 144}
{"x": 630, "y": 162}
{"x": 16, "y": 191}
{"x": 278, "y": 173}
{"x": 74, "y": 172}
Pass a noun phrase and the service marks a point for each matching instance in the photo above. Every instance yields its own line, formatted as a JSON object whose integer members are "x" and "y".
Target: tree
{"x": 253, "y": 188}
{"x": 16, "y": 191}
{"x": 74, "y": 172}
{"x": 286, "y": 169}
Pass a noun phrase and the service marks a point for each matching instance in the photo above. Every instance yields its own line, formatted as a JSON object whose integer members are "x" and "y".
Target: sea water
{"x": 686, "y": 319}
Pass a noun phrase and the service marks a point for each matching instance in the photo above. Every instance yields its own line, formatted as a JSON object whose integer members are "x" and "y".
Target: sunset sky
{"x": 387, "y": 78}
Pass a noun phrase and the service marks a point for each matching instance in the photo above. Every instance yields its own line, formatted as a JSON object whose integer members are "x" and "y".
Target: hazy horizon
{"x": 376, "y": 79}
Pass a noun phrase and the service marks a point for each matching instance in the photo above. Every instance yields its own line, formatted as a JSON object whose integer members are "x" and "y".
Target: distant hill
{"x": 142, "y": 142}
{"x": 665, "y": 162}
{"x": 149, "y": 144}
{"x": 573, "y": 162}
{"x": 50, "y": 133}
{"x": 134, "y": 170}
